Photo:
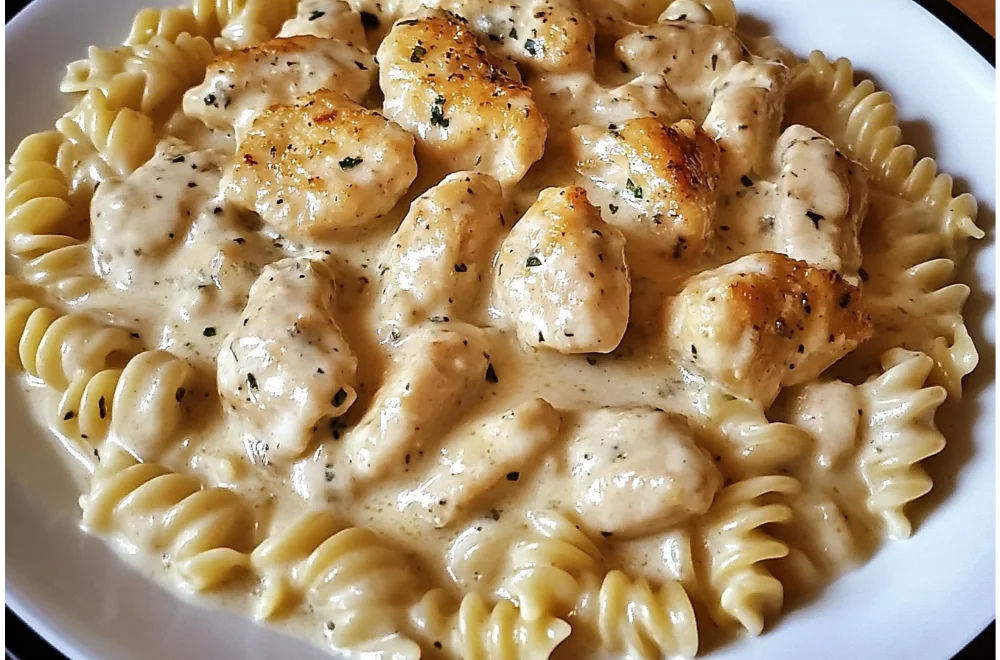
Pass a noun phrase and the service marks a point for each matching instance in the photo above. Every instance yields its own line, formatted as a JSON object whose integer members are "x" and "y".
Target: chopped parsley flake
{"x": 531, "y": 46}
{"x": 612, "y": 208}
{"x": 316, "y": 14}
{"x": 350, "y": 162}
{"x": 513, "y": 33}
{"x": 209, "y": 331}
{"x": 632, "y": 189}
{"x": 532, "y": 262}
{"x": 437, "y": 113}
{"x": 418, "y": 53}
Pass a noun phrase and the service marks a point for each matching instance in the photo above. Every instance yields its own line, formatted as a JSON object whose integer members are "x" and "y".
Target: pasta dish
{"x": 462, "y": 328}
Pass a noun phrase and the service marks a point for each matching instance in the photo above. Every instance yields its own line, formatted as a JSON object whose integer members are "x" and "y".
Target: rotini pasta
{"x": 554, "y": 573}
{"x": 749, "y": 444}
{"x": 150, "y": 77}
{"x": 546, "y": 567}
{"x": 639, "y": 622}
{"x": 352, "y": 576}
{"x": 148, "y": 394}
{"x": 207, "y": 18}
{"x": 110, "y": 142}
{"x": 41, "y": 214}
{"x": 897, "y": 432}
{"x": 204, "y": 533}
{"x": 477, "y": 631}
{"x": 59, "y": 349}
{"x": 735, "y": 548}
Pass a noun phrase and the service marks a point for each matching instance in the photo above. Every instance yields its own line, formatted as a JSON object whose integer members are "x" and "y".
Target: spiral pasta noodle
{"x": 115, "y": 142}
{"x": 548, "y": 564}
{"x": 349, "y": 574}
{"x": 555, "y": 573}
{"x": 474, "y": 630}
{"x": 203, "y": 532}
{"x": 897, "y": 432}
{"x": 58, "y": 349}
{"x": 41, "y": 214}
{"x": 634, "y": 620}
{"x": 206, "y": 18}
{"x": 736, "y": 546}
{"x": 148, "y": 394}
{"x": 750, "y": 444}
{"x": 150, "y": 77}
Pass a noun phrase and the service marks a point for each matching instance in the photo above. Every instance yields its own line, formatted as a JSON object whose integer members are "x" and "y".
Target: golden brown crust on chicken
{"x": 240, "y": 84}
{"x": 665, "y": 176}
{"x": 765, "y": 321}
{"x": 467, "y": 112}
{"x": 321, "y": 164}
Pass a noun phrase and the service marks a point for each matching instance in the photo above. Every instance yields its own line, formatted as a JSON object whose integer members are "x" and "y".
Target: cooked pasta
{"x": 350, "y": 575}
{"x": 735, "y": 548}
{"x": 898, "y": 432}
{"x": 749, "y": 443}
{"x": 203, "y": 533}
{"x": 60, "y": 348}
{"x": 640, "y": 622}
{"x": 546, "y": 567}
{"x": 116, "y": 141}
{"x": 150, "y": 77}
{"x": 475, "y": 630}
{"x": 587, "y": 318}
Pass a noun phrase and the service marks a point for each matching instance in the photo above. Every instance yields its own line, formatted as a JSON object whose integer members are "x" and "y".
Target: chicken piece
{"x": 466, "y": 112}
{"x": 647, "y": 95}
{"x": 437, "y": 258}
{"x": 765, "y": 321}
{"x": 477, "y": 461}
{"x": 829, "y": 413}
{"x": 435, "y": 371}
{"x": 145, "y": 217}
{"x": 822, "y": 201}
{"x": 561, "y": 276}
{"x": 286, "y": 366}
{"x": 548, "y": 35}
{"x": 240, "y": 84}
{"x": 745, "y": 117}
{"x": 661, "y": 181}
{"x": 638, "y": 471}
{"x": 322, "y": 164}
{"x": 326, "y": 19}
{"x": 690, "y": 55}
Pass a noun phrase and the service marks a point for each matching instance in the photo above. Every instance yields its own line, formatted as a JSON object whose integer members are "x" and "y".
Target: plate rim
{"x": 35, "y": 623}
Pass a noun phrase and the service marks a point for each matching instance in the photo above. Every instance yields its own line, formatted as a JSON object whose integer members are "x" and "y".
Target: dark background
{"x": 23, "y": 644}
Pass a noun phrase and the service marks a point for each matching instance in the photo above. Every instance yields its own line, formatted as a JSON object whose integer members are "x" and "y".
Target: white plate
{"x": 921, "y": 599}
